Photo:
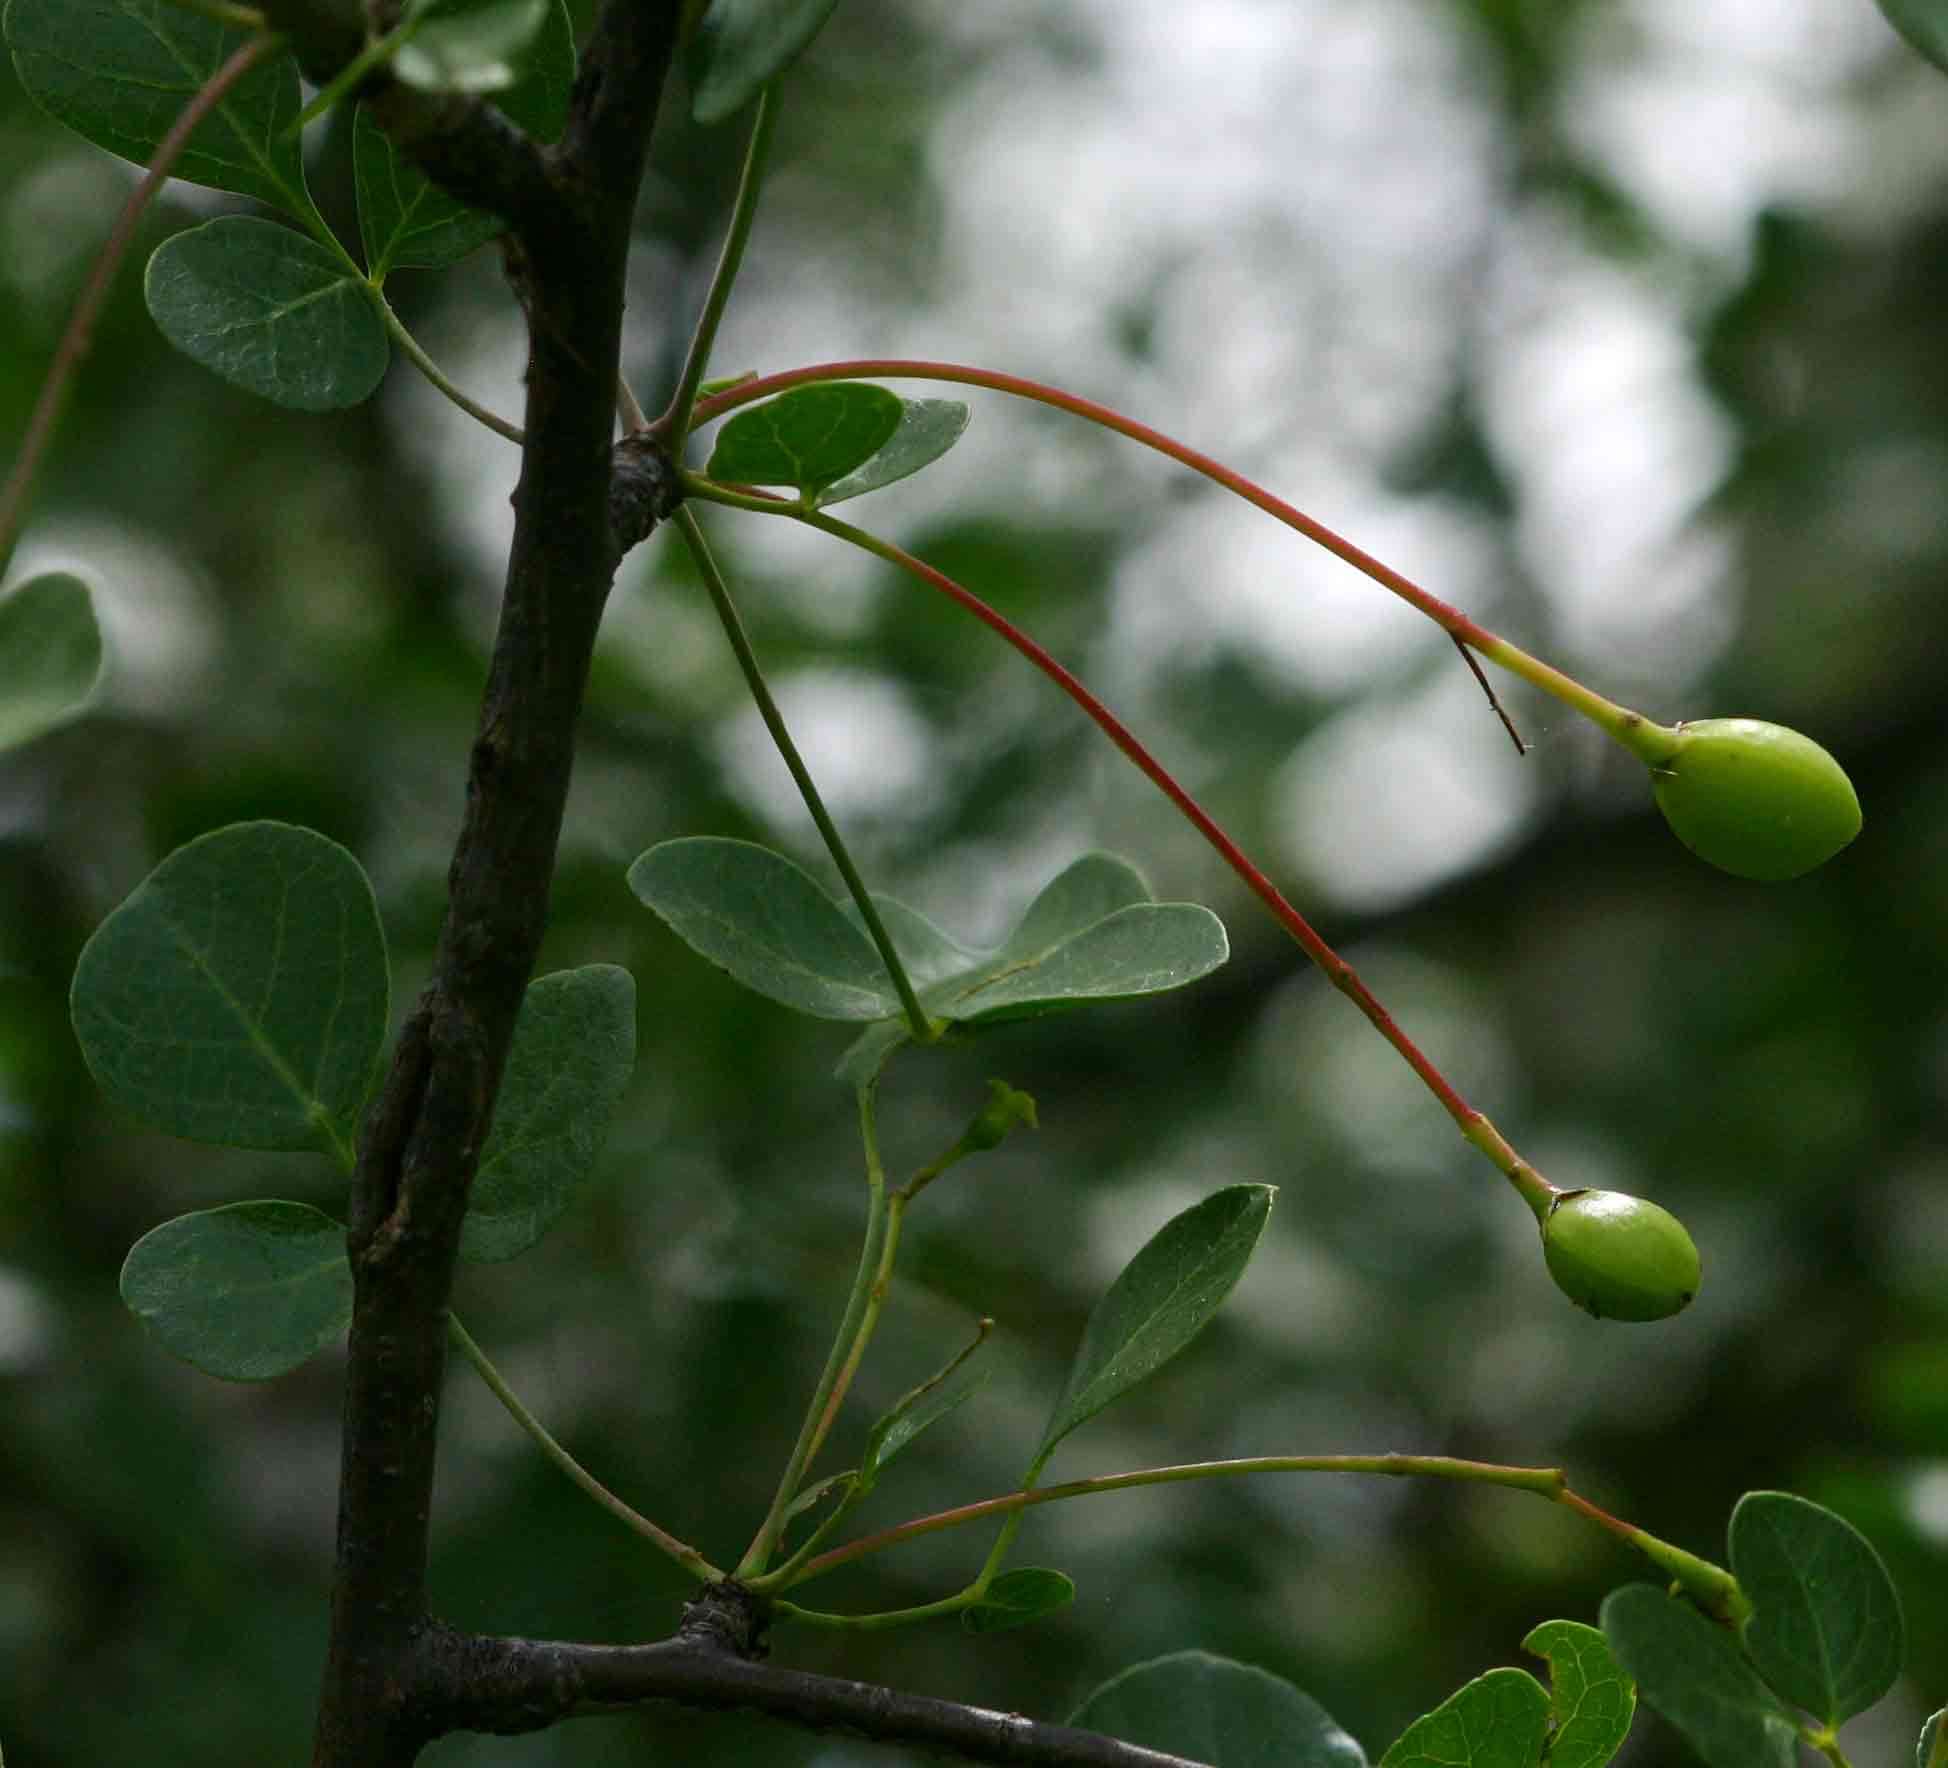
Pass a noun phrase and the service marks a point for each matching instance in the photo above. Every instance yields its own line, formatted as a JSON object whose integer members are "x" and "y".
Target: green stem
{"x": 886, "y": 1618}
{"x": 78, "y": 336}
{"x": 686, "y": 1556}
{"x": 889, "y": 1245}
{"x": 1710, "y": 1586}
{"x": 238, "y": 18}
{"x": 676, "y": 421}
{"x": 922, "y": 1028}
{"x": 432, "y": 371}
{"x": 374, "y": 55}
{"x": 1649, "y": 741}
{"x": 1827, "y": 1741}
{"x": 765, "y": 1542}
{"x": 1481, "y": 1134}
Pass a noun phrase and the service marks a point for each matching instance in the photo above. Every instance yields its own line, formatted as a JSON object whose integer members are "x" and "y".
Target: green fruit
{"x": 1755, "y": 799}
{"x": 1619, "y": 1257}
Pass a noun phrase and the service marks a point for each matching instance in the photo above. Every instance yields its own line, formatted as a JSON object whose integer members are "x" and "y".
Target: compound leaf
{"x": 573, "y": 1053}
{"x": 1825, "y": 1628}
{"x": 927, "y": 429}
{"x": 1693, "y": 1673}
{"x": 406, "y": 221}
{"x": 244, "y": 1292}
{"x": 239, "y": 994}
{"x": 120, "y": 72}
{"x": 810, "y": 438}
{"x": 1018, "y": 1597}
{"x": 1216, "y": 1710}
{"x": 1591, "y": 1700}
{"x": 269, "y": 310}
{"x": 1163, "y": 1299}
{"x": 755, "y": 914}
{"x": 741, "y": 46}
{"x": 50, "y": 655}
{"x": 1499, "y": 1720}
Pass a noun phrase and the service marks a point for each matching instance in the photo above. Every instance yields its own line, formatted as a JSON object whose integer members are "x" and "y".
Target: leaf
{"x": 1926, "y": 1754}
{"x": 1089, "y": 890}
{"x": 871, "y": 1051}
{"x": 1591, "y": 1700}
{"x": 1162, "y": 1300}
{"x": 244, "y": 1292}
{"x": 573, "y": 1053}
{"x": 895, "y": 1432}
{"x": 741, "y": 46}
{"x": 812, "y": 1494}
{"x": 755, "y": 914}
{"x": 270, "y": 311}
{"x": 810, "y": 437}
{"x": 1018, "y": 1597}
{"x": 929, "y": 955}
{"x": 1692, "y": 1672}
{"x": 1924, "y": 23}
{"x": 927, "y": 429}
{"x": 1497, "y": 1721}
{"x": 1216, "y": 1710}
{"x": 50, "y": 656}
{"x": 469, "y": 45}
{"x": 1825, "y": 1630}
{"x": 239, "y": 994}
{"x": 120, "y": 72}
{"x": 406, "y": 221}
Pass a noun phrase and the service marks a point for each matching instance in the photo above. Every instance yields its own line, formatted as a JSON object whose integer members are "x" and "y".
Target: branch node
{"x": 727, "y": 1620}
{"x": 644, "y": 489}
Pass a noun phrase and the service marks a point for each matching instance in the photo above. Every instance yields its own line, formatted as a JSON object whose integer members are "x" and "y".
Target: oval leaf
{"x": 245, "y": 1292}
{"x": 741, "y": 46}
{"x": 1825, "y": 1628}
{"x": 1215, "y": 1710}
{"x": 270, "y": 311}
{"x": 1691, "y": 1671}
{"x": 1162, "y": 1300}
{"x": 1018, "y": 1597}
{"x": 927, "y": 429}
{"x": 1591, "y": 1700}
{"x": 810, "y": 437}
{"x": 50, "y": 656}
{"x": 239, "y": 994}
{"x": 120, "y": 72}
{"x": 1089, "y": 890}
{"x": 406, "y": 221}
{"x": 1924, "y": 23}
{"x": 1497, "y": 1721}
{"x": 573, "y": 1053}
{"x": 470, "y": 45}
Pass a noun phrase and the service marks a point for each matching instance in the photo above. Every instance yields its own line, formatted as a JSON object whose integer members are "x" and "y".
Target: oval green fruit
{"x": 1618, "y": 1257}
{"x": 1755, "y": 799}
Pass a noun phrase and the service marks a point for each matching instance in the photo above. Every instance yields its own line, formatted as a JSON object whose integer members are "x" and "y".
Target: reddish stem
{"x": 81, "y": 324}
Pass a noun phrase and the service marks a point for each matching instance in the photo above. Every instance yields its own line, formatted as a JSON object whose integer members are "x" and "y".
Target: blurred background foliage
{"x": 1620, "y": 325}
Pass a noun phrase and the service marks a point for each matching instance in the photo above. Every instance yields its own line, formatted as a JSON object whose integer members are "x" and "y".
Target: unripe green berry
{"x": 1618, "y": 1257}
{"x": 1755, "y": 799}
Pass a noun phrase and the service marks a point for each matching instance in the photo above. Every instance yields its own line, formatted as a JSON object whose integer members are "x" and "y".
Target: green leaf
{"x": 1018, "y": 1597}
{"x": 1926, "y": 1754}
{"x": 927, "y": 429}
{"x": 245, "y": 1292}
{"x": 1497, "y": 1721}
{"x": 1692, "y": 1672}
{"x": 469, "y": 45}
{"x": 810, "y": 438}
{"x": 895, "y": 1432}
{"x": 1591, "y": 1700}
{"x": 50, "y": 656}
{"x": 929, "y": 955}
{"x": 573, "y": 1053}
{"x": 755, "y": 914}
{"x": 406, "y": 221}
{"x": 1825, "y": 1628}
{"x": 1160, "y": 1303}
{"x": 1924, "y": 23}
{"x": 871, "y": 1051}
{"x": 239, "y": 994}
{"x": 269, "y": 310}
{"x": 814, "y": 1494}
{"x": 1091, "y": 889}
{"x": 120, "y": 72}
{"x": 1216, "y": 1710}
{"x": 741, "y": 46}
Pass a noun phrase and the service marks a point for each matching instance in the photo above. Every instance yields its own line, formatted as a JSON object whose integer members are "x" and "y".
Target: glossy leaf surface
{"x": 239, "y": 994}
{"x": 1216, "y": 1710}
{"x": 1497, "y": 1721}
{"x": 1016, "y": 1598}
{"x": 271, "y": 311}
{"x": 245, "y": 1292}
{"x": 1591, "y": 1699}
{"x": 809, "y": 438}
{"x": 926, "y": 430}
{"x": 573, "y": 1053}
